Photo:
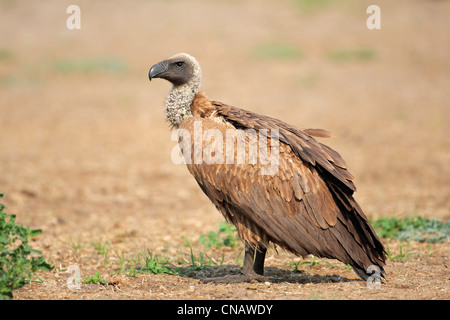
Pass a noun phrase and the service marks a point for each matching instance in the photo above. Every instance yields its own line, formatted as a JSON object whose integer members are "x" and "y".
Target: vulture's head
{"x": 179, "y": 69}
{"x": 184, "y": 72}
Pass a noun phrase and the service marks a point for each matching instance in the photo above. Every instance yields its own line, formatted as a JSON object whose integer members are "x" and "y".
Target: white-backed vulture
{"x": 305, "y": 205}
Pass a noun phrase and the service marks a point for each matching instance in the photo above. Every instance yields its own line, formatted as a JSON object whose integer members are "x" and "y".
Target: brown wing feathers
{"x": 307, "y": 207}
{"x": 302, "y": 144}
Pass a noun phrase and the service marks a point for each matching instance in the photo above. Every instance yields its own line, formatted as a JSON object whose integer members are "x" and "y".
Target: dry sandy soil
{"x": 85, "y": 150}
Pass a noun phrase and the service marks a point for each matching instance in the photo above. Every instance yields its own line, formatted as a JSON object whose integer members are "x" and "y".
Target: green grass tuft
{"x": 154, "y": 263}
{"x": 295, "y": 265}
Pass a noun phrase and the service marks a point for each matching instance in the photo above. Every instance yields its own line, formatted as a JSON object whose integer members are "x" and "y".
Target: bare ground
{"x": 85, "y": 151}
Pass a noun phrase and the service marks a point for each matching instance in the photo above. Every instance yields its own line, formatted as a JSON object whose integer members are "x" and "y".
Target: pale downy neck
{"x": 179, "y": 100}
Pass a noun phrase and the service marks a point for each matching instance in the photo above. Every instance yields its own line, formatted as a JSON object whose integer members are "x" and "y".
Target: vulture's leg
{"x": 254, "y": 260}
{"x": 252, "y": 270}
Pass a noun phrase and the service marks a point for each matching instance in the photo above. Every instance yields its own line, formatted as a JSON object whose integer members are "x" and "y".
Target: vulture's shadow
{"x": 272, "y": 274}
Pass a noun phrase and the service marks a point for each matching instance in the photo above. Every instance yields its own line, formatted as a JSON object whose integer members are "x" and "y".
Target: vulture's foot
{"x": 252, "y": 270}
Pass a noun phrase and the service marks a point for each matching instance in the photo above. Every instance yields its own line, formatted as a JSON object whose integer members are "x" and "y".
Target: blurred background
{"x": 85, "y": 148}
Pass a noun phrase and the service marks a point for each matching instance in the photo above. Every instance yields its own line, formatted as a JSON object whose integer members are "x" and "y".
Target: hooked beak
{"x": 157, "y": 69}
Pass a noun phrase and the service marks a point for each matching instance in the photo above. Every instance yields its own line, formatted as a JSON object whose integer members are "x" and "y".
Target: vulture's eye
{"x": 180, "y": 63}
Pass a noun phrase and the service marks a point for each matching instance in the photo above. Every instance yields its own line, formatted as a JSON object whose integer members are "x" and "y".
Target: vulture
{"x": 303, "y": 203}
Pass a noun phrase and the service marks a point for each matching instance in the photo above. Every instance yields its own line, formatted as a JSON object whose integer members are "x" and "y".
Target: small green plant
{"x": 226, "y": 236}
{"x": 18, "y": 261}
{"x": 294, "y": 265}
{"x": 124, "y": 262}
{"x": 103, "y": 248}
{"x": 96, "y": 279}
{"x": 76, "y": 244}
{"x": 204, "y": 260}
{"x": 404, "y": 251}
{"x": 413, "y": 228}
{"x": 154, "y": 263}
